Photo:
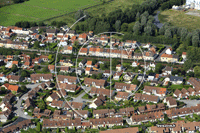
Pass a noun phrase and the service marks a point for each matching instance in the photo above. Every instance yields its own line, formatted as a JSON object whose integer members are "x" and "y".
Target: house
{"x": 117, "y": 75}
{"x": 44, "y": 58}
{"x": 146, "y": 98}
{"x": 67, "y": 63}
{"x": 28, "y": 104}
{"x": 83, "y": 51}
{"x": 56, "y": 104}
{"x": 69, "y": 87}
{"x": 184, "y": 55}
{"x": 79, "y": 71}
{"x": 157, "y": 91}
{"x": 125, "y": 87}
{"x": 65, "y": 69}
{"x": 11, "y": 87}
{"x": 100, "y": 91}
{"x": 51, "y": 68}
{"x": 151, "y": 108}
{"x": 169, "y": 58}
{"x": 122, "y": 96}
{"x": 36, "y": 78}
{"x": 89, "y": 64}
{"x": 174, "y": 80}
{"x": 108, "y": 122}
{"x": 54, "y": 124}
{"x": 88, "y": 70}
{"x": 14, "y": 78}
{"x": 103, "y": 113}
{"x": 128, "y": 76}
{"x": 143, "y": 118}
{"x": 192, "y": 81}
{"x": 85, "y": 114}
{"x": 68, "y": 50}
{"x": 97, "y": 102}
{"x": 167, "y": 70}
{"x": 119, "y": 67}
{"x": 53, "y": 96}
{"x": 67, "y": 79}
{"x": 171, "y": 102}
{"x": 95, "y": 82}
{"x": 169, "y": 51}
{"x": 107, "y": 73}
{"x": 129, "y": 111}
{"x": 135, "y": 64}
{"x": 83, "y": 37}
{"x": 82, "y": 63}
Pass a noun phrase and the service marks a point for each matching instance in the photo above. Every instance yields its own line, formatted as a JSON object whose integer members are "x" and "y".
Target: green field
{"x": 105, "y": 8}
{"x": 39, "y": 10}
{"x": 180, "y": 19}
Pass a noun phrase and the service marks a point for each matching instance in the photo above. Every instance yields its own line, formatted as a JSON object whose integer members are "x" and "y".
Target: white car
{"x": 25, "y": 113}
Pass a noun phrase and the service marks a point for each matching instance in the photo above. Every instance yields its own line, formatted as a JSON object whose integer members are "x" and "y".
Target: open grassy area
{"x": 180, "y": 19}
{"x": 102, "y": 9}
{"x": 39, "y": 10}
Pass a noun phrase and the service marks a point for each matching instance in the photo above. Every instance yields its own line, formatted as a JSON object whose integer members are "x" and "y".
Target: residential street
{"x": 19, "y": 110}
{"x": 80, "y": 99}
{"x": 158, "y": 58}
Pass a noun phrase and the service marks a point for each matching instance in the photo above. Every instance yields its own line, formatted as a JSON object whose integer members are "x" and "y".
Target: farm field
{"x": 180, "y": 19}
{"x": 39, "y": 10}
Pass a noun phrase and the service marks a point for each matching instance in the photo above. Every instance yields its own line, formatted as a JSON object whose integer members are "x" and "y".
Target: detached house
{"x": 67, "y": 79}
{"x": 95, "y": 82}
{"x": 125, "y": 87}
{"x": 36, "y": 78}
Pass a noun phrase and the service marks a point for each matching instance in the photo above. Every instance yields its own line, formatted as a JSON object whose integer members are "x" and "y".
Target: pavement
{"x": 80, "y": 99}
{"x": 190, "y": 102}
{"x": 158, "y": 57}
{"x": 157, "y": 22}
{"x": 19, "y": 110}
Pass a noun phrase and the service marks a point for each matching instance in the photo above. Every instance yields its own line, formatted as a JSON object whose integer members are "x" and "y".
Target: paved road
{"x": 191, "y": 102}
{"x": 157, "y": 22}
{"x": 80, "y": 99}
{"x": 19, "y": 110}
{"x": 158, "y": 58}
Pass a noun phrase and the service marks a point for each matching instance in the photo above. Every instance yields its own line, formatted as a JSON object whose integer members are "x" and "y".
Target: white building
{"x": 193, "y": 4}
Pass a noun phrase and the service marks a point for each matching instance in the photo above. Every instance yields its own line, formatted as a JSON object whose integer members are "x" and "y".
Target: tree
{"x": 38, "y": 127}
{"x": 118, "y": 25}
{"x": 23, "y": 88}
{"x": 137, "y": 28}
{"x": 41, "y": 105}
{"x": 58, "y": 130}
{"x": 166, "y": 118}
{"x": 197, "y": 71}
{"x": 94, "y": 61}
{"x": 158, "y": 68}
{"x": 168, "y": 33}
{"x": 149, "y": 30}
{"x": 36, "y": 44}
{"x": 36, "y": 67}
{"x": 184, "y": 33}
{"x": 79, "y": 14}
{"x": 50, "y": 56}
{"x": 99, "y": 76}
{"x": 124, "y": 27}
{"x": 3, "y": 90}
{"x": 94, "y": 76}
{"x": 24, "y": 73}
{"x": 14, "y": 68}
{"x": 45, "y": 69}
{"x": 143, "y": 20}
{"x": 195, "y": 39}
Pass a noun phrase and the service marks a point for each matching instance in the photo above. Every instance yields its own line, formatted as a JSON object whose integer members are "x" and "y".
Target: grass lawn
{"x": 180, "y": 19}
{"x": 39, "y": 10}
{"x": 180, "y": 87}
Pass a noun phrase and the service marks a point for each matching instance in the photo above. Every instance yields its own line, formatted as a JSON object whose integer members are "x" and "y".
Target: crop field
{"x": 39, "y": 10}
